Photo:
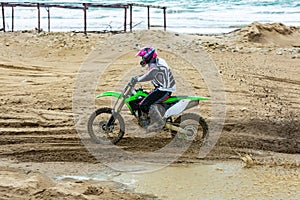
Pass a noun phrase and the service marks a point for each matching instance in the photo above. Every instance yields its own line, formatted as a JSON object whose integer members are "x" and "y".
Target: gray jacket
{"x": 160, "y": 75}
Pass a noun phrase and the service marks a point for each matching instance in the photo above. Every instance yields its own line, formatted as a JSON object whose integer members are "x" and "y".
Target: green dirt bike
{"x": 106, "y": 125}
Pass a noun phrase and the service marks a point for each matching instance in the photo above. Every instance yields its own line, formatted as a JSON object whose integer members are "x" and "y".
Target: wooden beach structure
{"x": 84, "y": 7}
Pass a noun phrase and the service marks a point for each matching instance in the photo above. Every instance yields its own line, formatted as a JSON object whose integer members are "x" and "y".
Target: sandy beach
{"x": 259, "y": 66}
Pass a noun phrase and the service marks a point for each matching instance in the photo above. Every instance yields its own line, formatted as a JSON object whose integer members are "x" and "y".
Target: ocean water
{"x": 186, "y": 16}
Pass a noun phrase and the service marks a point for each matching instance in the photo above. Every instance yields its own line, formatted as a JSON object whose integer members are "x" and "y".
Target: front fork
{"x": 110, "y": 121}
{"x": 119, "y": 104}
{"x": 117, "y": 109}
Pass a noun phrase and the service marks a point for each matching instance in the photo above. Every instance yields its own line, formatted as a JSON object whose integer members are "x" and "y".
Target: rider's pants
{"x": 156, "y": 96}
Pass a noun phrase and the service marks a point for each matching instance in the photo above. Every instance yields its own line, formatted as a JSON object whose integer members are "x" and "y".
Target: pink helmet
{"x": 147, "y": 53}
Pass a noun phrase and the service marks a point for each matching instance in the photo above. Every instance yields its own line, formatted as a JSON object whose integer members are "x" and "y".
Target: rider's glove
{"x": 134, "y": 80}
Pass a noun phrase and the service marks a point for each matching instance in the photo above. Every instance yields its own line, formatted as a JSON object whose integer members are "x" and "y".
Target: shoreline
{"x": 274, "y": 26}
{"x": 235, "y": 28}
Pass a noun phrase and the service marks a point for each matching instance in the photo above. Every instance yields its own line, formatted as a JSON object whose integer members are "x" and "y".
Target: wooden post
{"x": 39, "y": 17}
{"x": 148, "y": 8}
{"x": 12, "y": 18}
{"x": 84, "y": 14}
{"x": 3, "y": 16}
{"x": 125, "y": 18}
{"x": 130, "y": 5}
{"x": 165, "y": 19}
{"x": 48, "y": 11}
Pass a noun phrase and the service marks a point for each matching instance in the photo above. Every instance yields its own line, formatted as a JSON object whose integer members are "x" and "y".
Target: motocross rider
{"x": 163, "y": 81}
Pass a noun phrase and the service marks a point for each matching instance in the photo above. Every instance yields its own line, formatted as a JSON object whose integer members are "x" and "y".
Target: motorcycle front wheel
{"x": 195, "y": 126}
{"x": 100, "y": 132}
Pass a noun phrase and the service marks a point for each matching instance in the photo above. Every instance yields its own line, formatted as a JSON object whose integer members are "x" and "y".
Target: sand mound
{"x": 23, "y": 184}
{"x": 272, "y": 33}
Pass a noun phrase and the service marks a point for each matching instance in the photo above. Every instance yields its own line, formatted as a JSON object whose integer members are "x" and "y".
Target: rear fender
{"x": 182, "y": 103}
{"x": 189, "y": 98}
{"x": 177, "y": 108}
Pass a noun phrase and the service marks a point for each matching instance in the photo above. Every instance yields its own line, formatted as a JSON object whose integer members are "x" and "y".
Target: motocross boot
{"x": 144, "y": 120}
{"x": 157, "y": 121}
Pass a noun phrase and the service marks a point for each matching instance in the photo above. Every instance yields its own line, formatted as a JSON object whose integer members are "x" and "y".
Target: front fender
{"x": 110, "y": 94}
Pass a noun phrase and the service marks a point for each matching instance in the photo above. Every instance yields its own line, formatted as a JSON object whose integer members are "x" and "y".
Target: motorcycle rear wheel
{"x": 195, "y": 125}
{"x": 99, "y": 132}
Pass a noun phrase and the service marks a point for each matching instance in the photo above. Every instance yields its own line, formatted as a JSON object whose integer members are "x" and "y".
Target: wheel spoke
{"x": 98, "y": 130}
{"x": 194, "y": 125}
